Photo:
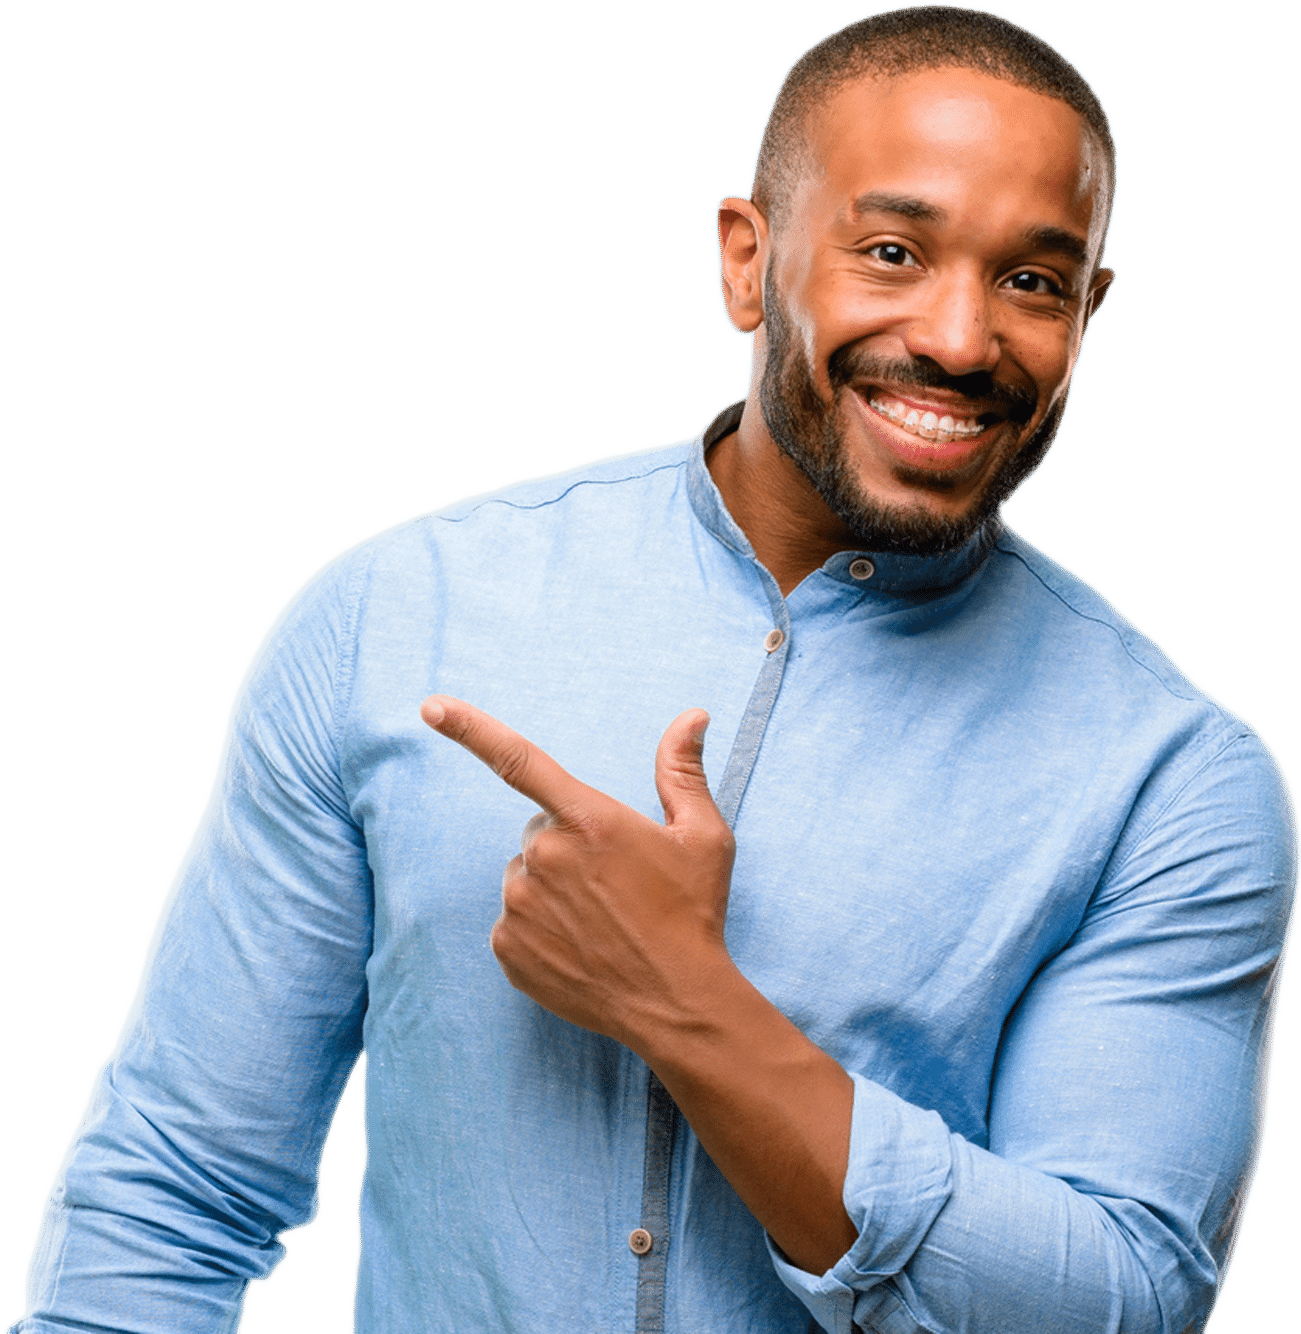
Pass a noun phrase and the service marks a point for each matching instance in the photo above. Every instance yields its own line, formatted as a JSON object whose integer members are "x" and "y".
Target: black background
{"x": 295, "y": 284}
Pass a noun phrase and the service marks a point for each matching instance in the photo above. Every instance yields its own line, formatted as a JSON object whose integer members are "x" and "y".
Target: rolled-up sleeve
{"x": 1123, "y": 1111}
{"x": 203, "y": 1141}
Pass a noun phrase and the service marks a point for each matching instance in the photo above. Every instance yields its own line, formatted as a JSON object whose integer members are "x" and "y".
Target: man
{"x": 976, "y": 1047}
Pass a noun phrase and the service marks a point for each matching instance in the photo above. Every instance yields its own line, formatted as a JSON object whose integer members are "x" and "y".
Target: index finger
{"x": 513, "y": 758}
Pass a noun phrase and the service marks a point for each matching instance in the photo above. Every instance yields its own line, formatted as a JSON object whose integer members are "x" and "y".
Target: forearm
{"x": 205, "y": 1135}
{"x": 879, "y": 1214}
{"x": 965, "y": 1236}
{"x": 770, "y": 1108}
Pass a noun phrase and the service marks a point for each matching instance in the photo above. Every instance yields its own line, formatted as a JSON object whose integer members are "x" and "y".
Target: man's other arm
{"x": 204, "y": 1138}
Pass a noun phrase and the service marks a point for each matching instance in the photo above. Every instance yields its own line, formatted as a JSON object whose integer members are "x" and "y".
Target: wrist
{"x": 694, "y": 1008}
{"x": 769, "y": 1106}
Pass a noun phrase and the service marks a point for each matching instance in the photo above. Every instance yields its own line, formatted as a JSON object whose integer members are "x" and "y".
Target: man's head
{"x": 920, "y": 258}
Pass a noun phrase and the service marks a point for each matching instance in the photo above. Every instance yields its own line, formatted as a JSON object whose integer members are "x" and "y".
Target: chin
{"x": 924, "y": 526}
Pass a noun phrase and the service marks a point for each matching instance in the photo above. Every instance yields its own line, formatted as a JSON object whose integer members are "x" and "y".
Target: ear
{"x": 743, "y": 241}
{"x": 1098, "y": 289}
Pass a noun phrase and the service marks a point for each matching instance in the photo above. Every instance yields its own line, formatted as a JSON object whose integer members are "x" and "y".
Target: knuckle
{"x": 686, "y": 766}
{"x": 718, "y": 833}
{"x": 511, "y": 762}
{"x": 504, "y": 951}
{"x": 590, "y": 823}
{"x": 514, "y": 896}
{"x": 716, "y": 845}
{"x": 499, "y": 941}
{"x": 544, "y": 849}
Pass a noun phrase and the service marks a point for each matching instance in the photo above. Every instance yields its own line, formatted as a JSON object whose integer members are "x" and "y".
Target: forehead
{"x": 959, "y": 139}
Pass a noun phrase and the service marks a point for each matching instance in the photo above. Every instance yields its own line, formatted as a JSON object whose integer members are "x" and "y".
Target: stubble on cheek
{"x": 811, "y": 432}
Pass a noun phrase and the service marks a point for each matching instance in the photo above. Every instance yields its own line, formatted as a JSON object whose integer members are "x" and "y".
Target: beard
{"x": 807, "y": 430}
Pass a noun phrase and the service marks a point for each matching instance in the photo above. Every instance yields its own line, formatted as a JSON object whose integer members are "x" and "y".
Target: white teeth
{"x": 928, "y": 425}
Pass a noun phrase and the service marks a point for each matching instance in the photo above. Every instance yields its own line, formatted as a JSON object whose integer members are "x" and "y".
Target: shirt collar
{"x": 893, "y": 572}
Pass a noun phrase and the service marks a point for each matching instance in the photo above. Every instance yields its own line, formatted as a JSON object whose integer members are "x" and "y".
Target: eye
{"x": 1035, "y": 284}
{"x": 890, "y": 252}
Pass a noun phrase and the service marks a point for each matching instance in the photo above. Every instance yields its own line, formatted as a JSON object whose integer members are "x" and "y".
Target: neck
{"x": 788, "y": 524}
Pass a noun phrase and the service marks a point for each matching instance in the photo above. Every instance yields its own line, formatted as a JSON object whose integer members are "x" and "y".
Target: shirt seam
{"x": 1109, "y": 625}
{"x": 1112, "y": 872}
{"x": 552, "y": 500}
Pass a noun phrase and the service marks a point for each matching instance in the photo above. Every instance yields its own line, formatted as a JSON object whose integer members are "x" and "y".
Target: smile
{"x": 928, "y": 425}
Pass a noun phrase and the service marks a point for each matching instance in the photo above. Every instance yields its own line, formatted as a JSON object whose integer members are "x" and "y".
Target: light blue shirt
{"x": 994, "y": 855}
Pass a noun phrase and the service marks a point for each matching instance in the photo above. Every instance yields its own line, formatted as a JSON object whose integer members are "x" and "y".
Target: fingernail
{"x": 432, "y": 712}
{"x": 698, "y": 732}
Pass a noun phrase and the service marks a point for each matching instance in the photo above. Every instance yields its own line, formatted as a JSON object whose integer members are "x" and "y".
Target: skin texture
{"x": 962, "y": 285}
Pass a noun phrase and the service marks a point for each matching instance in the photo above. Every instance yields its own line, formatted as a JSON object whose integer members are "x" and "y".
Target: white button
{"x": 640, "y": 1241}
{"x": 773, "y": 640}
{"x": 862, "y": 568}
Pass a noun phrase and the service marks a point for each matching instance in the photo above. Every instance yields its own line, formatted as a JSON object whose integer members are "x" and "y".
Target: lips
{"x": 926, "y": 434}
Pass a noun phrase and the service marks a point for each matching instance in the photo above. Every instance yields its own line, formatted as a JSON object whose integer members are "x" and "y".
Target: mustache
{"x": 849, "y": 364}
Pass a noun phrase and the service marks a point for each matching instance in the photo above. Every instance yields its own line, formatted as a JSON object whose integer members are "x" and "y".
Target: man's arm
{"x": 1121, "y": 1117}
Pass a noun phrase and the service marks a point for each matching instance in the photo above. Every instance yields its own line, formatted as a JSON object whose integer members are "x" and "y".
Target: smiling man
{"x": 943, "y": 1008}
{"x": 919, "y": 294}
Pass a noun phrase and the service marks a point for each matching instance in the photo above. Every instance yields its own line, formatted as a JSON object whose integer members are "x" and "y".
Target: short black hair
{"x": 901, "y": 42}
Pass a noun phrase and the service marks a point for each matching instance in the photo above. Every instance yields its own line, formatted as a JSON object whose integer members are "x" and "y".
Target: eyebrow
{"x": 918, "y": 210}
{"x": 1057, "y": 239}
{"x": 904, "y": 206}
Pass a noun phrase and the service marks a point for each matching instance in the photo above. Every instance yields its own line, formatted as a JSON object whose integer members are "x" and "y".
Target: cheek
{"x": 862, "y": 322}
{"x": 820, "y": 322}
{"x": 1049, "y": 358}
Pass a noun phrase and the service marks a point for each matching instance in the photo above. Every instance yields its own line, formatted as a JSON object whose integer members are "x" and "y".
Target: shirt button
{"x": 773, "y": 640}
{"x": 640, "y": 1241}
{"x": 861, "y": 568}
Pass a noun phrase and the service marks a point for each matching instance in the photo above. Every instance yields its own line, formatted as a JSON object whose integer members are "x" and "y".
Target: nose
{"x": 953, "y": 326}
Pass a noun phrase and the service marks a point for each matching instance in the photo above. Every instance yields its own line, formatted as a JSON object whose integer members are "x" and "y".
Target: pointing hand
{"x": 609, "y": 920}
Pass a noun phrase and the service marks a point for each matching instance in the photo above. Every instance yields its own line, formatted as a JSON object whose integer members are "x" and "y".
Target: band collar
{"x": 892, "y": 572}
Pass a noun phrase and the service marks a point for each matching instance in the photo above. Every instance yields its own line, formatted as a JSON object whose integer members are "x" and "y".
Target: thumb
{"x": 680, "y": 771}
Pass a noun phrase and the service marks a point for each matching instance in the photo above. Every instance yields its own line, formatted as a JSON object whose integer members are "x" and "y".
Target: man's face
{"x": 925, "y": 297}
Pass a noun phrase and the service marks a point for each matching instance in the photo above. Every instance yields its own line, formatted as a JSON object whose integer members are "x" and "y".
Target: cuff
{"x": 899, "y": 1178}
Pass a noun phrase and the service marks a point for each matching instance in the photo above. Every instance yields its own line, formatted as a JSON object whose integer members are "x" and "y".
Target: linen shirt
{"x": 994, "y": 855}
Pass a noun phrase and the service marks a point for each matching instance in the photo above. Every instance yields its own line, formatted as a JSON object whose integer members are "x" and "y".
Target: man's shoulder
{"x": 1103, "y": 671}
{"x": 1091, "y": 620}
{"x": 488, "y": 552}
{"x": 602, "y": 482}
{"x": 598, "y": 494}
{"x": 530, "y": 515}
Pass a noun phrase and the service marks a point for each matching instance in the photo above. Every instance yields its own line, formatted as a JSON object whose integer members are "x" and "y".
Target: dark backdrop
{"x": 296, "y": 284}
